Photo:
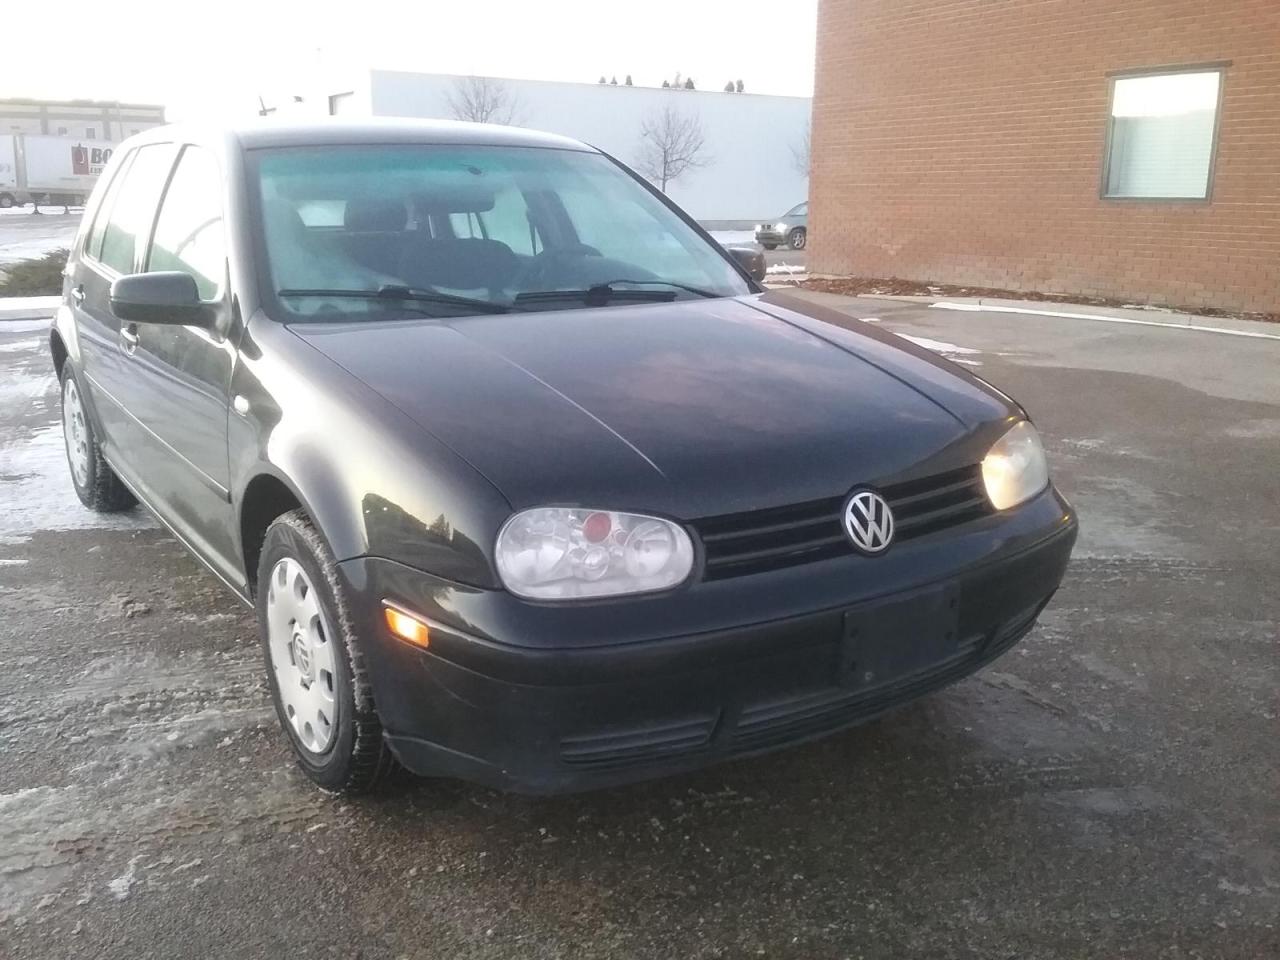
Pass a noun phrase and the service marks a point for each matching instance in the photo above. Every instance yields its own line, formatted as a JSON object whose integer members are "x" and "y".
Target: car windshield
{"x": 799, "y": 210}
{"x": 367, "y": 232}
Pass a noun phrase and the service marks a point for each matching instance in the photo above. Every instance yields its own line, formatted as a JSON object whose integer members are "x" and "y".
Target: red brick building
{"x": 1120, "y": 149}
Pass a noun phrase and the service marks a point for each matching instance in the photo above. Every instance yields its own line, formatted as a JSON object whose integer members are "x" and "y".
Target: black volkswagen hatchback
{"x": 528, "y": 481}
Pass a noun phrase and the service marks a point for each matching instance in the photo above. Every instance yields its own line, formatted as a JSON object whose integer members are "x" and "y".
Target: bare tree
{"x": 484, "y": 100}
{"x": 800, "y": 152}
{"x": 671, "y": 144}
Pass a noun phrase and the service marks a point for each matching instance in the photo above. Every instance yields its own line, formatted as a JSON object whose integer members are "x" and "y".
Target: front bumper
{"x": 546, "y": 717}
{"x": 770, "y": 236}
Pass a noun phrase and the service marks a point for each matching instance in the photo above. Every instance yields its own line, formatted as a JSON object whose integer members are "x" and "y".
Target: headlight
{"x": 1015, "y": 469}
{"x": 559, "y": 553}
{"x": 780, "y": 227}
{"x": 759, "y": 227}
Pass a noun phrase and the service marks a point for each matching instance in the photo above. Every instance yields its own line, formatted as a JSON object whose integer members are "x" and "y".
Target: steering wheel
{"x": 552, "y": 260}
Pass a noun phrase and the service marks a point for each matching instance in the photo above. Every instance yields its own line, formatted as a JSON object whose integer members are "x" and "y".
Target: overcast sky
{"x": 213, "y": 58}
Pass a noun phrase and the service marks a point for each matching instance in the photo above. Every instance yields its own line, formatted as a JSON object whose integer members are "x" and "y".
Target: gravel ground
{"x": 1107, "y": 789}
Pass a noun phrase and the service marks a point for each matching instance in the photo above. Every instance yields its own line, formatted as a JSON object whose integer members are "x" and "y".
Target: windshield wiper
{"x": 399, "y": 294}
{"x": 599, "y": 294}
{"x": 711, "y": 294}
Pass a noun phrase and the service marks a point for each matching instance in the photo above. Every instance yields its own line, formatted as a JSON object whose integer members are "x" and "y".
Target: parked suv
{"x": 792, "y": 228}
{"x": 527, "y": 481}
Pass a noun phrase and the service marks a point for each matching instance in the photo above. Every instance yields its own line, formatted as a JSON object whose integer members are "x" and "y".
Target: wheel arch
{"x": 265, "y": 496}
{"x": 58, "y": 350}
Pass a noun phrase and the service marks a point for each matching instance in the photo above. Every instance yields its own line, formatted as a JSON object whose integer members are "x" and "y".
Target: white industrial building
{"x": 82, "y": 119}
{"x": 751, "y": 140}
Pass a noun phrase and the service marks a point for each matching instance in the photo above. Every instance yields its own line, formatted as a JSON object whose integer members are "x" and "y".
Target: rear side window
{"x": 134, "y": 207}
{"x": 189, "y": 234}
{"x": 508, "y": 221}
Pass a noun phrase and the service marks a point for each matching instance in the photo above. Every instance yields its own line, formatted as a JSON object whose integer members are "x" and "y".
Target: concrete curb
{"x": 28, "y": 308}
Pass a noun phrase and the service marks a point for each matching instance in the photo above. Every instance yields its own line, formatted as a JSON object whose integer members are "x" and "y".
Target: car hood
{"x": 689, "y": 409}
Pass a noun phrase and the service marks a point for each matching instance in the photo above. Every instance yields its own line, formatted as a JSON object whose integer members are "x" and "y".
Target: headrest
{"x": 375, "y": 214}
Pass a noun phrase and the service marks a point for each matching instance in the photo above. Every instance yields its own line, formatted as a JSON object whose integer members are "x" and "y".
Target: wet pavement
{"x": 27, "y": 236}
{"x": 1110, "y": 788}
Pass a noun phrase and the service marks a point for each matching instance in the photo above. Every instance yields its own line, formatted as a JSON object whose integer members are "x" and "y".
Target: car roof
{"x": 331, "y": 131}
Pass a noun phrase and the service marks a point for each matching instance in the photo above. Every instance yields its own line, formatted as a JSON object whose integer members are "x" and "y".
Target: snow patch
{"x": 24, "y": 326}
{"x": 35, "y": 484}
{"x": 25, "y": 210}
{"x": 938, "y": 346}
{"x": 36, "y": 248}
{"x": 1200, "y": 328}
{"x": 18, "y": 345}
{"x": 21, "y": 386}
{"x": 122, "y": 884}
{"x": 949, "y": 350}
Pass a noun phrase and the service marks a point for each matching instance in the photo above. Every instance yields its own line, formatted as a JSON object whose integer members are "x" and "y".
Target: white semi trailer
{"x": 43, "y": 169}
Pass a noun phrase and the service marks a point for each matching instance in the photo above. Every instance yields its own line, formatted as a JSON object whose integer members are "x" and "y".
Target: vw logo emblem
{"x": 868, "y": 521}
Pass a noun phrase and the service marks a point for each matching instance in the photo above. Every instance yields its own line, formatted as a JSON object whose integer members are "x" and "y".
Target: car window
{"x": 508, "y": 221}
{"x": 93, "y": 245}
{"x": 189, "y": 232}
{"x": 491, "y": 227}
{"x": 799, "y": 210}
{"x": 323, "y": 213}
{"x": 627, "y": 231}
{"x": 134, "y": 207}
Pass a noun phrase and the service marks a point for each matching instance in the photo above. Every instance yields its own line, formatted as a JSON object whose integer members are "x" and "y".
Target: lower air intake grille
{"x": 637, "y": 744}
{"x": 760, "y": 540}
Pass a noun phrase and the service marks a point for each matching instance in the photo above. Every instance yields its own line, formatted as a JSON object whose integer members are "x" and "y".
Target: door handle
{"x": 129, "y": 337}
{"x": 77, "y": 294}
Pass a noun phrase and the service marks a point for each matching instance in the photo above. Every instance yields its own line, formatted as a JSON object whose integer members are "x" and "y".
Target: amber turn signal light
{"x": 407, "y": 627}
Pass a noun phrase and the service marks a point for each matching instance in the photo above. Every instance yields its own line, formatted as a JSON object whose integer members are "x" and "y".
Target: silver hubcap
{"x": 302, "y": 654}
{"x": 75, "y": 433}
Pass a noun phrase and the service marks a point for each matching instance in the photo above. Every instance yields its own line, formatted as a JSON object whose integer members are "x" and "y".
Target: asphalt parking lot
{"x": 24, "y": 235}
{"x": 1110, "y": 788}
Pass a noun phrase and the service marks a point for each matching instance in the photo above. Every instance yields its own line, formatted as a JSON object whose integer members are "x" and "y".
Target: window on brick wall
{"x": 1162, "y": 135}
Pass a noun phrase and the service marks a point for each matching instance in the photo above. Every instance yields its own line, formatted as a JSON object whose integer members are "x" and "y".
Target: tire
{"x": 6, "y": 201}
{"x": 797, "y": 238}
{"x": 96, "y": 483}
{"x": 769, "y": 246}
{"x": 297, "y": 582}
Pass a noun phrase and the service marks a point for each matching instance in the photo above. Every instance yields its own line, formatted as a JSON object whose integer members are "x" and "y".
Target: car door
{"x": 178, "y": 388}
{"x": 111, "y": 249}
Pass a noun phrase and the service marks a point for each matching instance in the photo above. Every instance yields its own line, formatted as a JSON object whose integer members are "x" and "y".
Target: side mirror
{"x": 164, "y": 297}
{"x": 751, "y": 260}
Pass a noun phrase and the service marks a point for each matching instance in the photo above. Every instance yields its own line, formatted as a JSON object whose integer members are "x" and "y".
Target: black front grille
{"x": 760, "y": 540}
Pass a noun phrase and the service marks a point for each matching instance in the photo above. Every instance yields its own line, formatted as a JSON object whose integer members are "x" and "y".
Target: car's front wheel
{"x": 96, "y": 483}
{"x": 314, "y": 664}
{"x": 797, "y": 238}
{"x": 6, "y": 201}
